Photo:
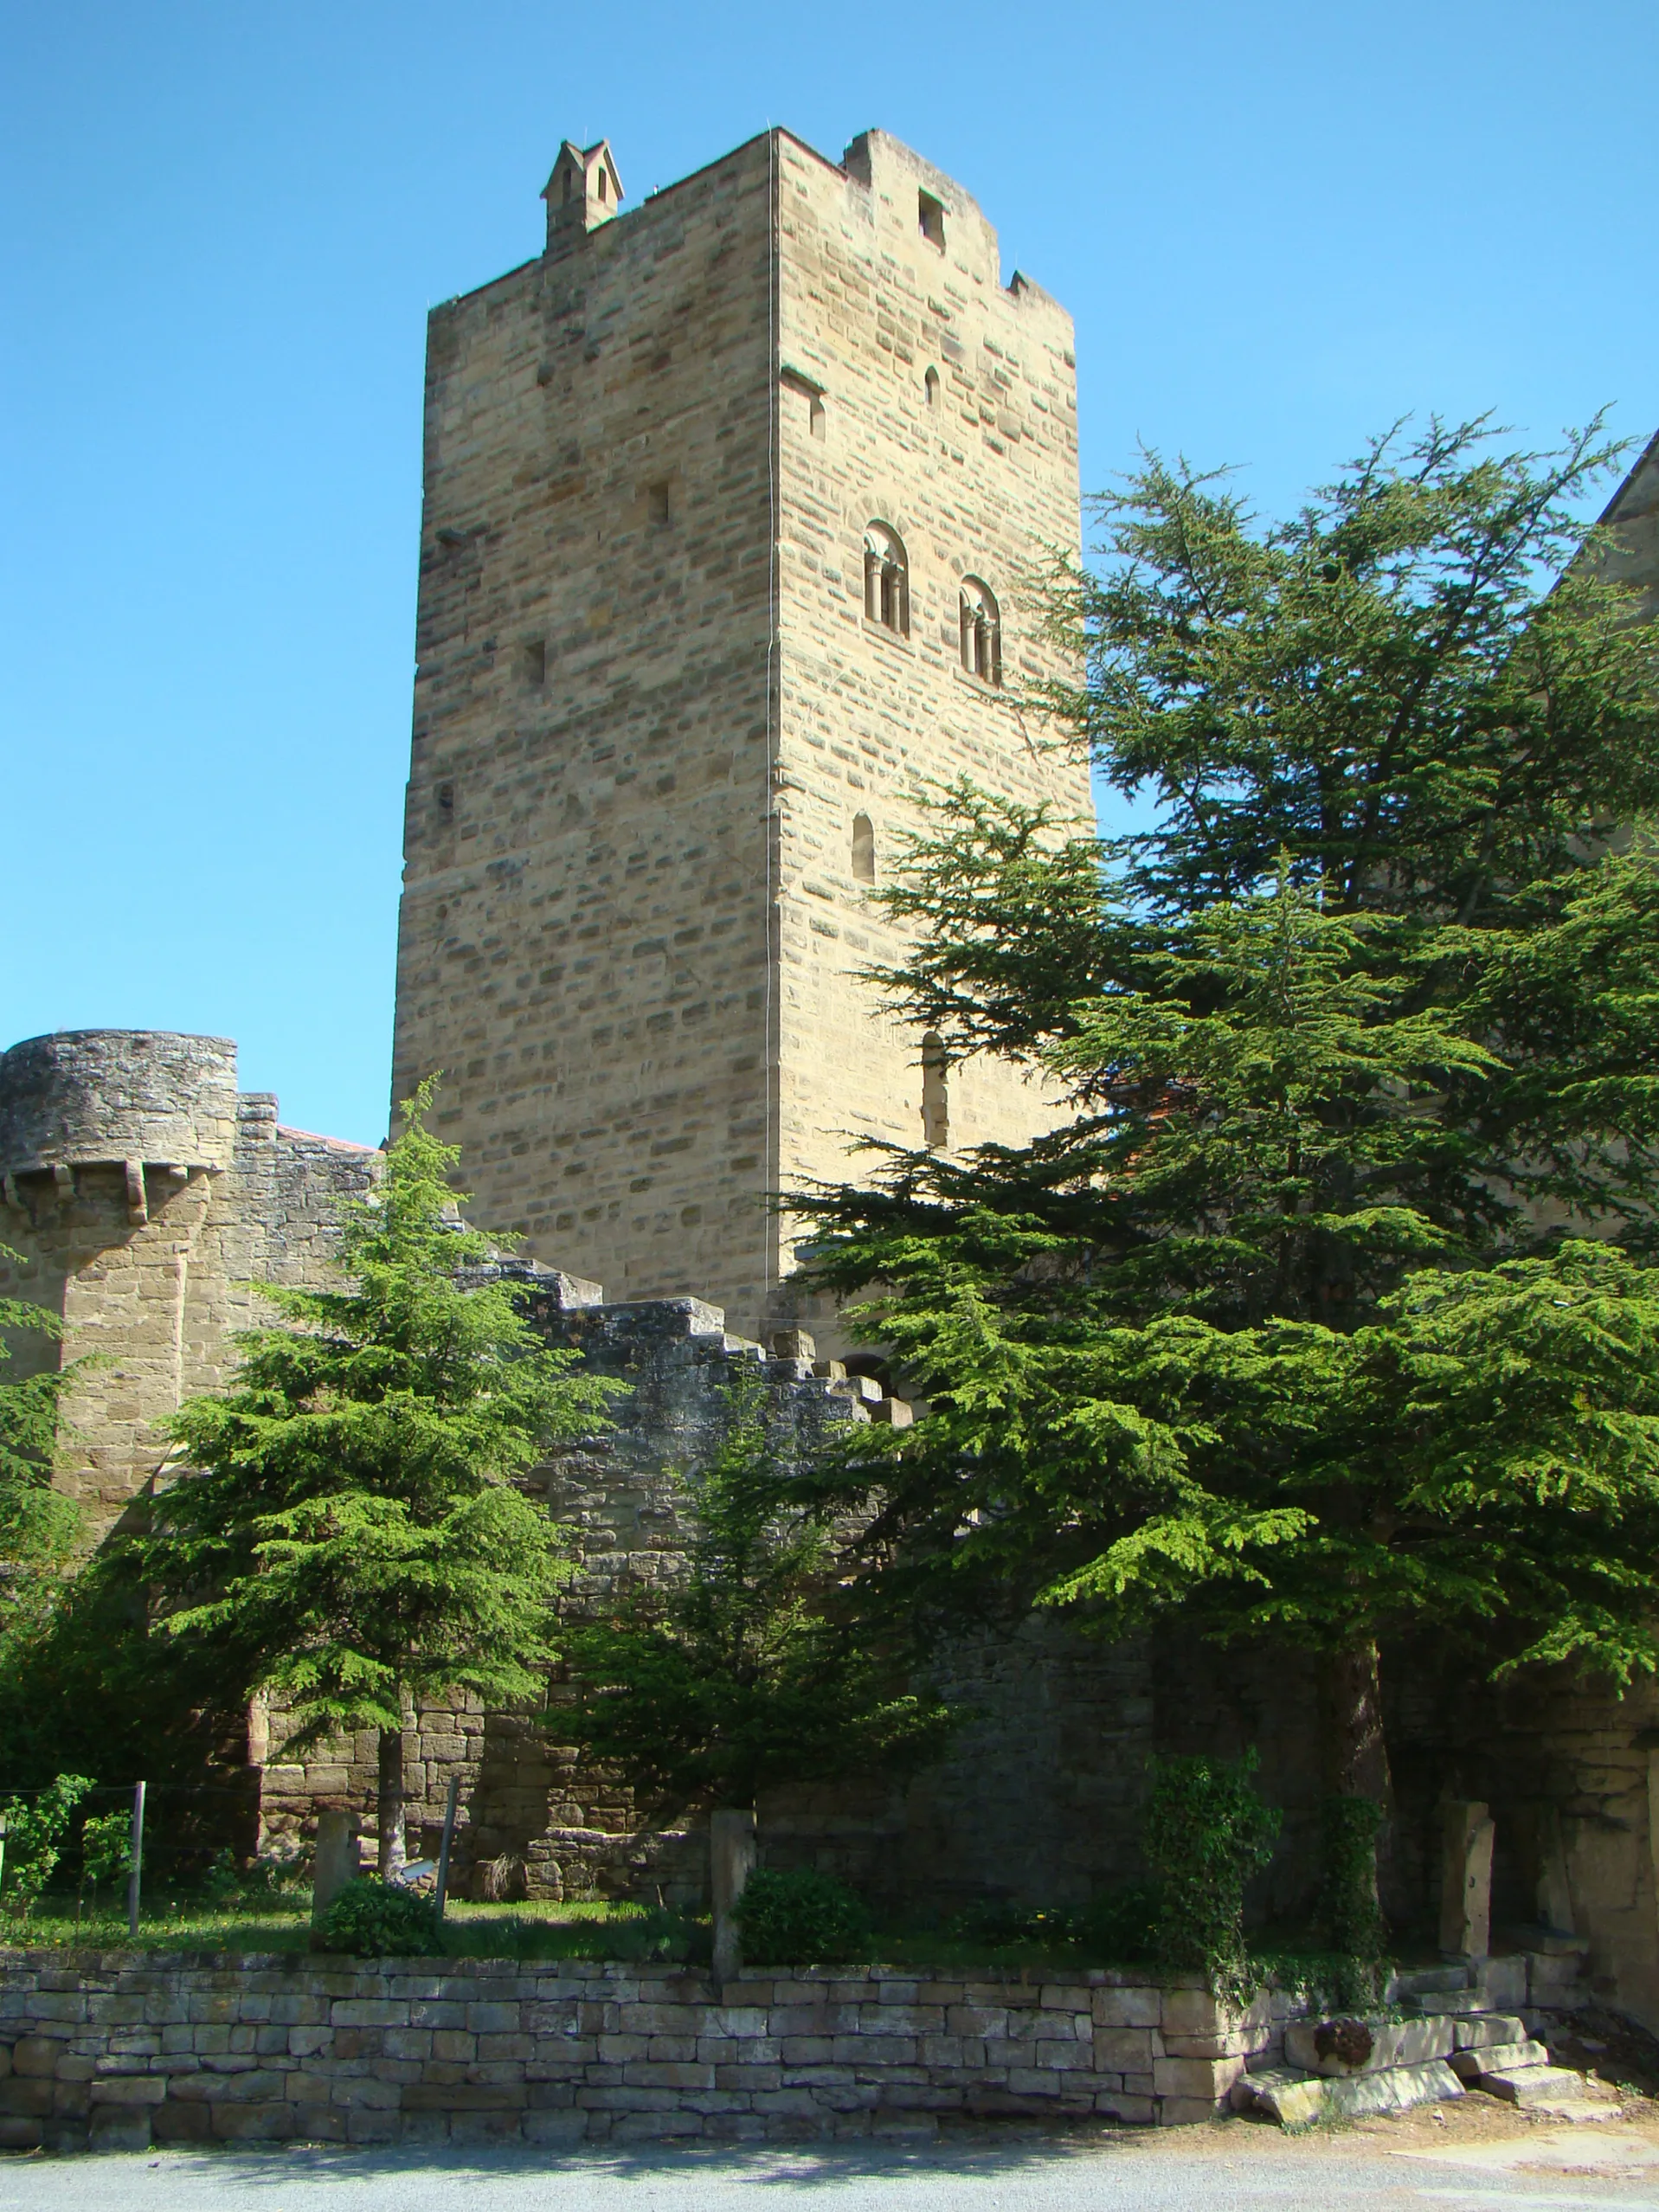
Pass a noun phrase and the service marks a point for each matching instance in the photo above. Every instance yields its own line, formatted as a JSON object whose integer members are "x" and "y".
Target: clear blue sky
{"x": 1278, "y": 226}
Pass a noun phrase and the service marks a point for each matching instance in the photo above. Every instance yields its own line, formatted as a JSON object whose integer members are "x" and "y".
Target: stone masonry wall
{"x": 648, "y": 706}
{"x": 119, "y": 2050}
{"x": 922, "y": 394}
{"x": 583, "y": 933}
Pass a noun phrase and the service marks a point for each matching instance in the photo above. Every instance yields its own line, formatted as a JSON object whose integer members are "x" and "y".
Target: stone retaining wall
{"x": 117, "y": 2049}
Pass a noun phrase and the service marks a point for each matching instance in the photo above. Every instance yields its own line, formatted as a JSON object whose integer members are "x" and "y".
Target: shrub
{"x": 1122, "y": 1924}
{"x": 377, "y": 1921}
{"x": 35, "y": 1832}
{"x": 801, "y": 1919}
{"x": 1207, "y": 1832}
{"x": 1350, "y": 1919}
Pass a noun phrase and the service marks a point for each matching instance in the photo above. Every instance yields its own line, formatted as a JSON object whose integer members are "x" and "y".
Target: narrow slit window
{"x": 930, "y": 219}
{"x": 935, "y": 1100}
{"x": 864, "y": 849}
{"x": 604, "y": 187}
{"x": 657, "y": 503}
{"x": 931, "y": 386}
{"x": 982, "y": 632}
{"x": 535, "y": 662}
{"x": 886, "y": 581}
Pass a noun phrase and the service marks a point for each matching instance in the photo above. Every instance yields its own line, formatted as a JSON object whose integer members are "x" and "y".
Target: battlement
{"x": 90, "y": 1098}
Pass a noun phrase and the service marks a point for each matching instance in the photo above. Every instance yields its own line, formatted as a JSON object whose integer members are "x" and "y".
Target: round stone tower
{"x": 98, "y": 1097}
{"x": 112, "y": 1143}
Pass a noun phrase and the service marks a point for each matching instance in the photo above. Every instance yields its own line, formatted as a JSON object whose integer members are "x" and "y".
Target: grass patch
{"x": 530, "y": 1931}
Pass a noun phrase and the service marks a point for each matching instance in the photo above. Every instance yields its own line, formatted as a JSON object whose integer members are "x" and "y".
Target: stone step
{"x": 1301, "y": 2100}
{"x": 1355, "y": 2045}
{"x": 1424, "y": 1981}
{"x": 1500, "y": 2058}
{"x": 1535, "y": 2085}
{"x": 1475, "y": 2031}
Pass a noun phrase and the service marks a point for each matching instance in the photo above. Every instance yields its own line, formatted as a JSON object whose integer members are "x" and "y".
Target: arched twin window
{"x": 982, "y": 632}
{"x": 886, "y": 579}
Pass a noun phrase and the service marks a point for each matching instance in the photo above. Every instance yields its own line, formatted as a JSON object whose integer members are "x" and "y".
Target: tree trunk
{"x": 1356, "y": 1752}
{"x": 390, "y": 1804}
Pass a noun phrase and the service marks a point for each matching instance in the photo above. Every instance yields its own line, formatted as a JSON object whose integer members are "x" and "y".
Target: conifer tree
{"x": 738, "y": 1676}
{"x": 39, "y": 1526}
{"x": 349, "y": 1533}
{"x": 1291, "y": 1323}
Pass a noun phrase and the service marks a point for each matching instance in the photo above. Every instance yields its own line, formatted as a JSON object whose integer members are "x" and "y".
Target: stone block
{"x": 1498, "y": 2058}
{"x": 1534, "y": 2084}
{"x": 36, "y": 2055}
{"x": 1063, "y": 2057}
{"x": 1356, "y": 2046}
{"x": 1127, "y": 2008}
{"x": 567, "y": 2126}
{"x": 1208, "y": 2079}
{"x": 119, "y": 2128}
{"x": 127, "y": 2089}
{"x": 370, "y": 2012}
{"x": 1184, "y": 2112}
{"x": 270, "y": 2121}
{"x": 18, "y": 2133}
{"x": 1298, "y": 2101}
{"x": 465, "y": 2096}
{"x": 1476, "y": 2030}
{"x": 1122, "y": 2050}
{"x": 1122, "y": 2105}
{"x": 364, "y": 2127}
{"x": 363, "y": 2094}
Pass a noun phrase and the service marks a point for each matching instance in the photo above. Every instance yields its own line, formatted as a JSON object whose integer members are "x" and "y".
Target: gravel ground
{"x": 1462, "y": 2158}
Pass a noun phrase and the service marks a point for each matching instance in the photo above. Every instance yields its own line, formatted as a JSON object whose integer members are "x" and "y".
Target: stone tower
{"x": 729, "y": 506}
{"x": 140, "y": 1195}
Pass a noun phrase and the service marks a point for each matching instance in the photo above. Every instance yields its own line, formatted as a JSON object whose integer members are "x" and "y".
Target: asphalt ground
{"x": 1469, "y": 2156}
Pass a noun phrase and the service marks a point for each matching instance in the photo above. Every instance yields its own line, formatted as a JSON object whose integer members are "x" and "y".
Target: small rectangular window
{"x": 657, "y": 502}
{"x": 930, "y": 219}
{"x": 535, "y": 662}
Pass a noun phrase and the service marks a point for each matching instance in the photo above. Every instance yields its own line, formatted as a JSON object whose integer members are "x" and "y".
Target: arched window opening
{"x": 886, "y": 581}
{"x": 930, "y": 385}
{"x": 930, "y": 219}
{"x": 864, "y": 849}
{"x": 935, "y": 1100}
{"x": 982, "y": 632}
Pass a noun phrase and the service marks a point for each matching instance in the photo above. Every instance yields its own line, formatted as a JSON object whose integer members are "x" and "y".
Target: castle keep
{"x": 730, "y": 503}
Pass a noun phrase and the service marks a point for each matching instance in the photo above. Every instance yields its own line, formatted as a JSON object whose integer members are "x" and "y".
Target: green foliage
{"x": 1206, "y": 1831}
{"x": 1120, "y": 1925}
{"x": 1279, "y": 1327}
{"x": 39, "y": 1527}
{"x": 376, "y": 1920}
{"x": 740, "y": 1676}
{"x": 35, "y": 1832}
{"x": 801, "y": 1918}
{"x": 349, "y": 1533}
{"x": 107, "y": 1847}
{"x": 1348, "y": 1917}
